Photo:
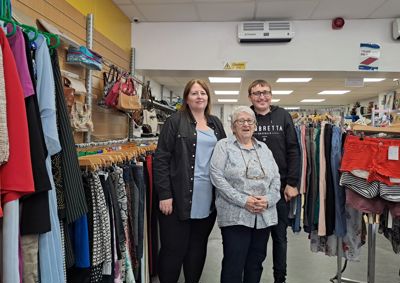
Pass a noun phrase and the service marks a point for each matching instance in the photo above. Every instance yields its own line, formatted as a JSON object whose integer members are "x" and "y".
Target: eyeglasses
{"x": 264, "y": 93}
{"x": 258, "y": 177}
{"x": 252, "y": 177}
{"x": 249, "y": 122}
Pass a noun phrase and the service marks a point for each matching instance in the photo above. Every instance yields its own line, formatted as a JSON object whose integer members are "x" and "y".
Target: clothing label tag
{"x": 393, "y": 153}
{"x": 394, "y": 180}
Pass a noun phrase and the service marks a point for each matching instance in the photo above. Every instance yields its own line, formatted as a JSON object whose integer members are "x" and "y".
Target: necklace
{"x": 259, "y": 177}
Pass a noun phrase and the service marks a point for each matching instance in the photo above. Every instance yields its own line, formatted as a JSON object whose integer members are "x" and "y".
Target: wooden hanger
{"x": 371, "y": 129}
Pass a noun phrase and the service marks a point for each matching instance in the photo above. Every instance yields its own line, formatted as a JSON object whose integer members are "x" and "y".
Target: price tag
{"x": 393, "y": 153}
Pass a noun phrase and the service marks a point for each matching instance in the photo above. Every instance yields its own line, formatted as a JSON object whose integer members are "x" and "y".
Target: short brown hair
{"x": 256, "y": 83}
{"x": 188, "y": 86}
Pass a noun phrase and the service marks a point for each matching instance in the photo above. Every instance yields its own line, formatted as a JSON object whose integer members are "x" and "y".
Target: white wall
{"x": 315, "y": 47}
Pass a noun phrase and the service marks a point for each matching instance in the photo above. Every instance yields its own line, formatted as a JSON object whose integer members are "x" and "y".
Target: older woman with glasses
{"x": 247, "y": 184}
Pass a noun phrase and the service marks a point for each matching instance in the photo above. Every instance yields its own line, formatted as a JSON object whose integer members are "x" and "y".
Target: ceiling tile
{"x": 226, "y": 11}
{"x": 131, "y": 12}
{"x": 352, "y": 9}
{"x": 118, "y": 2}
{"x": 288, "y": 10}
{"x": 221, "y": 1}
{"x": 390, "y": 9}
{"x": 169, "y": 12}
{"x": 161, "y": 1}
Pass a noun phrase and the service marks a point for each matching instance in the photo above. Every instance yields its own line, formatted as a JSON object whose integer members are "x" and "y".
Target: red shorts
{"x": 371, "y": 154}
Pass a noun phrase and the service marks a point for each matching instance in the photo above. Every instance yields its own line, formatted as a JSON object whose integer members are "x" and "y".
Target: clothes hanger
{"x": 49, "y": 37}
{"x": 29, "y": 30}
{"x": 14, "y": 26}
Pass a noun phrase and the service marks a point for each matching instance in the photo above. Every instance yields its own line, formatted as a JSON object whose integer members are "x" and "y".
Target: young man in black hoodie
{"x": 275, "y": 128}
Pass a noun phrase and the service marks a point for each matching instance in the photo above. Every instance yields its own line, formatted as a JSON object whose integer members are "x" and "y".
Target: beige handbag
{"x": 81, "y": 117}
{"x": 128, "y": 99}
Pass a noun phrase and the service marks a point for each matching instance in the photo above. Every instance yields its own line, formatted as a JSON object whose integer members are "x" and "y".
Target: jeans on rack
{"x": 138, "y": 177}
{"x": 340, "y": 197}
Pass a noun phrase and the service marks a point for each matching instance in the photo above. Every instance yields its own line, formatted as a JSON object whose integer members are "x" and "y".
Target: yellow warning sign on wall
{"x": 235, "y": 66}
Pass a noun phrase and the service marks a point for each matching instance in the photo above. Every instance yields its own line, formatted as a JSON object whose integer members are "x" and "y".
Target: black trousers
{"x": 183, "y": 243}
{"x": 279, "y": 241}
{"x": 245, "y": 250}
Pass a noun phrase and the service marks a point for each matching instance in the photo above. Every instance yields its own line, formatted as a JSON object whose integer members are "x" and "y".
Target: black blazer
{"x": 174, "y": 159}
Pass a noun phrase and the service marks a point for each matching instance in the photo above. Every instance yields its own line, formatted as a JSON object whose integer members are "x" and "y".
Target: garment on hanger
{"x": 51, "y": 259}
{"x": 4, "y": 144}
{"x": 35, "y": 216}
{"x": 14, "y": 181}
{"x": 75, "y": 203}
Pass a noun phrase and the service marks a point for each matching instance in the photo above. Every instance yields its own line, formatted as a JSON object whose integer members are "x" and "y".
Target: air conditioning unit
{"x": 273, "y": 31}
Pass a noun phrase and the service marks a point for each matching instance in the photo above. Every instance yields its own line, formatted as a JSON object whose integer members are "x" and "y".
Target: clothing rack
{"x": 313, "y": 109}
{"x": 324, "y": 109}
{"x": 373, "y": 220}
{"x": 102, "y": 143}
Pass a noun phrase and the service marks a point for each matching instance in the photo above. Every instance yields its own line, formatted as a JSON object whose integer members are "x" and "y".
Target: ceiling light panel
{"x": 333, "y": 92}
{"x": 293, "y": 80}
{"x": 226, "y": 92}
{"x": 275, "y": 100}
{"x": 373, "y": 80}
{"x": 292, "y": 108}
{"x": 312, "y": 100}
{"x": 227, "y": 100}
{"x": 224, "y": 79}
{"x": 282, "y": 92}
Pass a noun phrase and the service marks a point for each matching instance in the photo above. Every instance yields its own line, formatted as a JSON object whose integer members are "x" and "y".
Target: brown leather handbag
{"x": 128, "y": 100}
{"x": 69, "y": 94}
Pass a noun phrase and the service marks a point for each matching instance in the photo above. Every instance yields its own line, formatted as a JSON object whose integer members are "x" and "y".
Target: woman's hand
{"x": 256, "y": 204}
{"x": 166, "y": 206}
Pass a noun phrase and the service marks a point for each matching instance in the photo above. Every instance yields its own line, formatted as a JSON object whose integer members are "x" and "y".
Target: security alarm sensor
{"x": 337, "y": 23}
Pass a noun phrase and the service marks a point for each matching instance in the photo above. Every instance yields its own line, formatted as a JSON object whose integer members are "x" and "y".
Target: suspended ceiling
{"x": 248, "y": 10}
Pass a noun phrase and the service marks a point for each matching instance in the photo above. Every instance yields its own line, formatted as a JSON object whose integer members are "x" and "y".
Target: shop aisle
{"x": 305, "y": 266}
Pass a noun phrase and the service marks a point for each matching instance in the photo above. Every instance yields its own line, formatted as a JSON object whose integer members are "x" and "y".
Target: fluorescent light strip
{"x": 275, "y": 100}
{"x": 226, "y": 92}
{"x": 224, "y": 80}
{"x": 281, "y": 92}
{"x": 293, "y": 80}
{"x": 373, "y": 80}
{"x": 292, "y": 108}
{"x": 333, "y": 92}
{"x": 227, "y": 100}
{"x": 312, "y": 100}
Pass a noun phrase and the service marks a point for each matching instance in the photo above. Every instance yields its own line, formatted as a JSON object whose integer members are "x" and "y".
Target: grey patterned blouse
{"x": 233, "y": 186}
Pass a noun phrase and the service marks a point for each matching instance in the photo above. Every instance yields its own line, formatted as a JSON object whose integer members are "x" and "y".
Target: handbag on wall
{"x": 127, "y": 98}
{"x": 123, "y": 95}
{"x": 109, "y": 80}
{"x": 69, "y": 94}
{"x": 81, "y": 117}
{"x": 79, "y": 113}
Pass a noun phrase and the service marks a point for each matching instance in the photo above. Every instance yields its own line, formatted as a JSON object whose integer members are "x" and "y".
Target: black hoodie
{"x": 276, "y": 129}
